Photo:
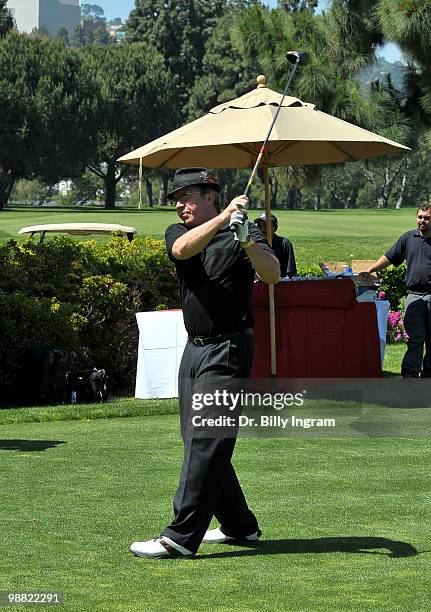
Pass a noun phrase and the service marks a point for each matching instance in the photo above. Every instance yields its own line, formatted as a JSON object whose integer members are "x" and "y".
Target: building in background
{"x": 116, "y": 29}
{"x": 50, "y": 14}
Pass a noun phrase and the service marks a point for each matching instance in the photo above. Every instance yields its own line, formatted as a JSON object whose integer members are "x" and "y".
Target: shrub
{"x": 28, "y": 322}
{"x": 393, "y": 284}
{"x": 396, "y": 332}
{"x": 83, "y": 297}
{"x": 310, "y": 271}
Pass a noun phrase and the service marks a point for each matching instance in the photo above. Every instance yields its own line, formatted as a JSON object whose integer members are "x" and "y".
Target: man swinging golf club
{"x": 216, "y": 269}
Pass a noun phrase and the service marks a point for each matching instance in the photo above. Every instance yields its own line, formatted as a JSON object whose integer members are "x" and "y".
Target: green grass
{"x": 316, "y": 236}
{"x": 113, "y": 409}
{"x": 346, "y": 522}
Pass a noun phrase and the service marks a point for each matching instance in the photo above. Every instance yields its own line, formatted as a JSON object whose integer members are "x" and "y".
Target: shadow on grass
{"x": 363, "y": 545}
{"x": 29, "y": 445}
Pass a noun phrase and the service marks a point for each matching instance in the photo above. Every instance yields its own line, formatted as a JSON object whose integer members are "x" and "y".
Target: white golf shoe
{"x": 216, "y": 536}
{"x": 159, "y": 548}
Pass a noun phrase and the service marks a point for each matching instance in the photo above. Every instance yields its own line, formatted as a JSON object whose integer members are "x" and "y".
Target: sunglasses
{"x": 185, "y": 196}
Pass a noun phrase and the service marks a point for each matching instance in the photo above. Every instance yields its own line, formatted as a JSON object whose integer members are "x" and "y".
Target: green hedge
{"x": 83, "y": 297}
{"x": 392, "y": 283}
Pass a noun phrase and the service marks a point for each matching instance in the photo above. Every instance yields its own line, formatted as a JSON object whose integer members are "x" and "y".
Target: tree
{"x": 92, "y": 12}
{"x": 298, "y": 5}
{"x": 136, "y": 97}
{"x": 63, "y": 35}
{"x": 48, "y": 106}
{"x": 225, "y": 73}
{"x": 408, "y": 23}
{"x": 6, "y": 19}
{"x": 178, "y": 30}
{"x": 265, "y": 36}
{"x": 91, "y": 33}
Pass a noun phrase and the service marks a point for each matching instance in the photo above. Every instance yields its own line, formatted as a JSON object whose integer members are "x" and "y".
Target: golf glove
{"x": 239, "y": 225}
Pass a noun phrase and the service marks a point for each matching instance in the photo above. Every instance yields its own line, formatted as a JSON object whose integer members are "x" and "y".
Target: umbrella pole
{"x": 271, "y": 287}
{"x": 140, "y": 185}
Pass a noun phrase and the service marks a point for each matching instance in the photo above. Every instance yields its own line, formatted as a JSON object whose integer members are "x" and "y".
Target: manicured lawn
{"x": 346, "y": 522}
{"x": 316, "y": 236}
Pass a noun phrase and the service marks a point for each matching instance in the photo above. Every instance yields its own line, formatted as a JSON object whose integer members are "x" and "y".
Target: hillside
{"x": 380, "y": 69}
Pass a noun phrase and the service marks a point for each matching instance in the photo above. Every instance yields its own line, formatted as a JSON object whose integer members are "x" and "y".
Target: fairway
{"x": 346, "y": 523}
{"x": 316, "y": 235}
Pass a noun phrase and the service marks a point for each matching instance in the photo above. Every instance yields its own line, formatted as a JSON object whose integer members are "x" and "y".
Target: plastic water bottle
{"x": 73, "y": 397}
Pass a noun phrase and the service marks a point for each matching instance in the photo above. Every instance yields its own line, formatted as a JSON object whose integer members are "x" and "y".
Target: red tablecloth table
{"x": 321, "y": 331}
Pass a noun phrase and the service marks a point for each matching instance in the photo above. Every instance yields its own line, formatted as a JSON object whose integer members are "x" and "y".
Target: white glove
{"x": 239, "y": 225}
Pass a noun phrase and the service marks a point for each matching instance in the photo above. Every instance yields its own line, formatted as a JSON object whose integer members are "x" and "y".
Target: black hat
{"x": 185, "y": 177}
{"x": 262, "y": 217}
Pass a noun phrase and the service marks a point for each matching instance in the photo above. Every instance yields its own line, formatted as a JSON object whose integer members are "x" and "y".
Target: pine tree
{"x": 408, "y": 23}
{"x": 6, "y": 20}
{"x": 178, "y": 30}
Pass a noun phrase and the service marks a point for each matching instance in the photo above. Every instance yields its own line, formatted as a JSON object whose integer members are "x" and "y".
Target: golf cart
{"x": 79, "y": 229}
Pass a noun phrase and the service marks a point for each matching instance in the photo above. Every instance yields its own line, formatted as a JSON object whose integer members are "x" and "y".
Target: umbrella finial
{"x": 261, "y": 81}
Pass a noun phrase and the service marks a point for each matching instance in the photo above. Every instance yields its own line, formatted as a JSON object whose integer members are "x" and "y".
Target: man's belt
{"x": 202, "y": 341}
{"x": 420, "y": 291}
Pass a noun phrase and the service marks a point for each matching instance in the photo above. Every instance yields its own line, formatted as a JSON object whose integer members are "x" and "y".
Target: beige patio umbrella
{"x": 232, "y": 133}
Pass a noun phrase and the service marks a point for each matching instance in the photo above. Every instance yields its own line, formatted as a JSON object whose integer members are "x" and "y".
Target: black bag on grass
{"x": 87, "y": 386}
{"x": 42, "y": 377}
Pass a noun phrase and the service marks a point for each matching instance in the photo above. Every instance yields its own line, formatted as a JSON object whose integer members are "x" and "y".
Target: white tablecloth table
{"x": 162, "y": 338}
{"x": 382, "y": 307}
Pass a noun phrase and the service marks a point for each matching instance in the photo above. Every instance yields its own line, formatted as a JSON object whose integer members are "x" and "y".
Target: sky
{"x": 122, "y": 8}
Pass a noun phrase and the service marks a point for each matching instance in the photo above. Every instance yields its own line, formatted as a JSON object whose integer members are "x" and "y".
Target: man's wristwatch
{"x": 248, "y": 243}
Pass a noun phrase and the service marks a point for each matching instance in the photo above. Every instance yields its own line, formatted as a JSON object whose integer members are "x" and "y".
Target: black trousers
{"x": 208, "y": 484}
{"x": 417, "y": 323}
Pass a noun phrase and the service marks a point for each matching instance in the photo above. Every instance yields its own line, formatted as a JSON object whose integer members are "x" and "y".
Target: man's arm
{"x": 196, "y": 239}
{"x": 265, "y": 263}
{"x": 380, "y": 264}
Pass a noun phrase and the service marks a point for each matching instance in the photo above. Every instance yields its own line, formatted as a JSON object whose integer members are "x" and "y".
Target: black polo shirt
{"x": 216, "y": 284}
{"x": 416, "y": 251}
{"x": 283, "y": 249}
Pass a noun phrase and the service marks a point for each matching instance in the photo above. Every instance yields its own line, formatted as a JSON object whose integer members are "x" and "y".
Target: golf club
{"x": 294, "y": 57}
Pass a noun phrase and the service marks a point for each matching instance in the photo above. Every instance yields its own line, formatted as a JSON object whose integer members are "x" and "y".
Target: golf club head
{"x": 294, "y": 56}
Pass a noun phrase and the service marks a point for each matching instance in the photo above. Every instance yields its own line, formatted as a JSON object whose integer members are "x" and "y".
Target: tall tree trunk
{"x": 403, "y": 184}
{"x": 227, "y": 192}
{"x": 386, "y": 190}
{"x": 46, "y": 195}
{"x": 273, "y": 190}
{"x": 293, "y": 197}
{"x": 399, "y": 203}
{"x": 110, "y": 186}
{"x": 163, "y": 189}
{"x": 149, "y": 190}
{"x": 6, "y": 186}
{"x": 351, "y": 198}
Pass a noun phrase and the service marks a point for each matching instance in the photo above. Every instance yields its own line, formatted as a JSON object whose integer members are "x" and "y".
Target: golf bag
{"x": 42, "y": 378}
{"x": 87, "y": 386}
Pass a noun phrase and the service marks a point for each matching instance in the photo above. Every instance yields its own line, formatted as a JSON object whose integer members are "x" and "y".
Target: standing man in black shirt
{"x": 415, "y": 248}
{"x": 281, "y": 246}
{"x": 215, "y": 268}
